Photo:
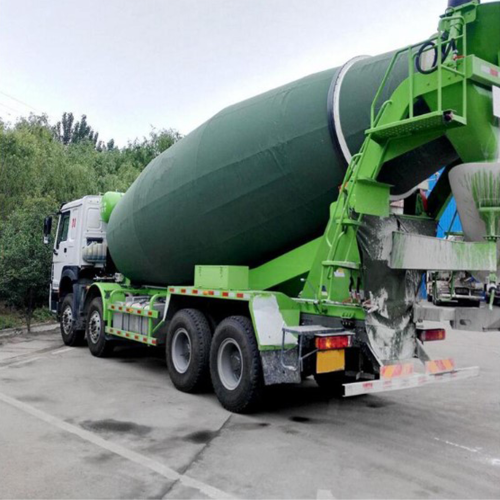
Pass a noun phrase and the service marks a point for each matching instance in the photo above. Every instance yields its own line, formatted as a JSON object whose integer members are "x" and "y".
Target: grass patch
{"x": 10, "y": 318}
{"x": 9, "y": 321}
{"x": 43, "y": 315}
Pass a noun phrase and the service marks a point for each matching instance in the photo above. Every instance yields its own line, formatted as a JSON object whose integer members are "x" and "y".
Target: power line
{"x": 19, "y": 101}
{"x": 9, "y": 107}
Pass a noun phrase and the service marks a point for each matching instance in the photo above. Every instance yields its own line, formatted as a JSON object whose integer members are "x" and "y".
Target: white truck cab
{"x": 80, "y": 255}
{"x": 79, "y": 227}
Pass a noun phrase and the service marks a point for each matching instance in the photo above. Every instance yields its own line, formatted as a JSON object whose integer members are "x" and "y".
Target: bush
{"x": 25, "y": 262}
{"x": 43, "y": 315}
{"x": 9, "y": 321}
{"x": 42, "y": 167}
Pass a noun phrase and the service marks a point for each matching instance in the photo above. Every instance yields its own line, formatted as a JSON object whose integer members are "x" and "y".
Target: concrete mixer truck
{"x": 262, "y": 247}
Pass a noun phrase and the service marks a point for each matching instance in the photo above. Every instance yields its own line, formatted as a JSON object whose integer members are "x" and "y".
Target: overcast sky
{"x": 132, "y": 64}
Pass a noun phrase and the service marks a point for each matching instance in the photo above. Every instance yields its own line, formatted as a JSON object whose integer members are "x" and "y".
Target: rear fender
{"x": 271, "y": 312}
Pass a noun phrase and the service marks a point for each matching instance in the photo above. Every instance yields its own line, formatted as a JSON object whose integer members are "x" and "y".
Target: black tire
{"x": 188, "y": 351}
{"x": 99, "y": 346}
{"x": 235, "y": 365}
{"x": 331, "y": 383}
{"x": 70, "y": 335}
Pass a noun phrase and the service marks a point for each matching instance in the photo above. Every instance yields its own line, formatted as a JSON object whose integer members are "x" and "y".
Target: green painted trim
{"x": 343, "y": 311}
{"x": 211, "y": 293}
{"x": 113, "y": 292}
{"x": 106, "y": 290}
{"x": 133, "y": 336}
{"x": 284, "y": 268}
{"x": 133, "y": 311}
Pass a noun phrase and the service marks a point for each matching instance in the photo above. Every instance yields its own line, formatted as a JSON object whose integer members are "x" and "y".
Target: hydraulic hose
{"x": 446, "y": 47}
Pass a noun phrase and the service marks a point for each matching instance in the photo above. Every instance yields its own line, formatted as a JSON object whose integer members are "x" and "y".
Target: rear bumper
{"x": 416, "y": 380}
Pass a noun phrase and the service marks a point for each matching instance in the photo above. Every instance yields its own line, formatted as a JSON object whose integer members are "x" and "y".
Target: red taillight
{"x": 433, "y": 334}
{"x": 336, "y": 342}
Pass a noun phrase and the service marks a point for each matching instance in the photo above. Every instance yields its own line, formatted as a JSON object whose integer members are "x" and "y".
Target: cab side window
{"x": 63, "y": 228}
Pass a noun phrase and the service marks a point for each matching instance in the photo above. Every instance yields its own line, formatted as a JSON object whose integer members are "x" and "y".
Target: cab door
{"x": 61, "y": 249}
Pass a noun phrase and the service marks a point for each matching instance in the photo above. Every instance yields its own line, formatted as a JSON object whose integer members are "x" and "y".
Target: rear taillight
{"x": 432, "y": 334}
{"x": 335, "y": 342}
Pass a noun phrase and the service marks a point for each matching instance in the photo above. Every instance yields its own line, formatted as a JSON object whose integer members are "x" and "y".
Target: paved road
{"x": 73, "y": 426}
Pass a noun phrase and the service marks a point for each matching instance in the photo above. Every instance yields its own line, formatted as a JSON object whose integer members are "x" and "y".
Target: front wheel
{"x": 235, "y": 365}
{"x": 70, "y": 335}
{"x": 96, "y": 337}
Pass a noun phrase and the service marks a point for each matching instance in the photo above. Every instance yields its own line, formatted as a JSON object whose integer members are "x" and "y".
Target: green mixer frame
{"x": 395, "y": 129}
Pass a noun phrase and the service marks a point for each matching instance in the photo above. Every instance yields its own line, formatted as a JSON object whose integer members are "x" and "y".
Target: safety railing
{"x": 451, "y": 35}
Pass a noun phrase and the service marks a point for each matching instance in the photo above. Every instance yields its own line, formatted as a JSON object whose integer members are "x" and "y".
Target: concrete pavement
{"x": 74, "y": 426}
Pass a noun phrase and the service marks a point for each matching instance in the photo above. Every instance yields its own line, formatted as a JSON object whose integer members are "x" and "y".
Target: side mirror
{"x": 47, "y": 228}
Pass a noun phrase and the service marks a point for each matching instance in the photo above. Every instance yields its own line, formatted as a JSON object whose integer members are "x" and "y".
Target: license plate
{"x": 330, "y": 361}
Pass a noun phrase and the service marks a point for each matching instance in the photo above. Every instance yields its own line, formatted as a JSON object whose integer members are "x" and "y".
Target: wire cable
{"x": 20, "y": 101}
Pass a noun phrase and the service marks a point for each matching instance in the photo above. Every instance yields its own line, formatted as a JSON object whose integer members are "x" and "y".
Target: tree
{"x": 68, "y": 131}
{"x": 64, "y": 129}
{"x": 41, "y": 167}
{"x": 25, "y": 262}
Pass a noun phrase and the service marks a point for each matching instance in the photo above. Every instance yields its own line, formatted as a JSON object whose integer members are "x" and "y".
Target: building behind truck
{"x": 261, "y": 248}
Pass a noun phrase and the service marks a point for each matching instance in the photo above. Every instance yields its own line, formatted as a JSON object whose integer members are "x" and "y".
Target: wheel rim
{"x": 95, "y": 327}
{"x": 230, "y": 364}
{"x": 181, "y": 350}
{"x": 67, "y": 320}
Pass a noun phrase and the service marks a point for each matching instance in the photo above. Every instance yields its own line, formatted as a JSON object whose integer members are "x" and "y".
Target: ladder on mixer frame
{"x": 395, "y": 121}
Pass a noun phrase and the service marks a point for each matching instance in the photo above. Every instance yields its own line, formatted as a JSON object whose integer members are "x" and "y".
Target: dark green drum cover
{"x": 257, "y": 179}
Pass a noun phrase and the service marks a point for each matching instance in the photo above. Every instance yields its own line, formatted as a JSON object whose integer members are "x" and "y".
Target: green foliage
{"x": 9, "y": 319}
{"x": 69, "y": 132}
{"x": 36, "y": 162}
{"x": 43, "y": 315}
{"x": 25, "y": 262}
{"x": 41, "y": 167}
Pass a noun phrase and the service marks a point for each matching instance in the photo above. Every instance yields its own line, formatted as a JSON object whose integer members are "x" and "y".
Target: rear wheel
{"x": 235, "y": 365}
{"x": 70, "y": 335}
{"x": 96, "y": 337}
{"x": 188, "y": 350}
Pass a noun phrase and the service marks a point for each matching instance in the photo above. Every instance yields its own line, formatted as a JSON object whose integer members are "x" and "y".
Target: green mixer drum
{"x": 256, "y": 180}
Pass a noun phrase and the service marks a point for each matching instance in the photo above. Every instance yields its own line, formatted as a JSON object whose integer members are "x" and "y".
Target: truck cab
{"x": 79, "y": 257}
